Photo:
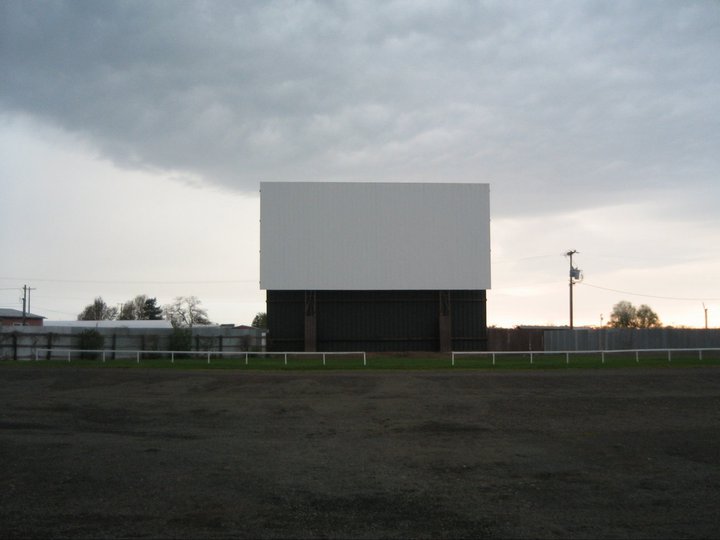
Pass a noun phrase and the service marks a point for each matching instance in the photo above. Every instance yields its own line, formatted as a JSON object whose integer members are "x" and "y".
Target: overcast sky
{"x": 134, "y": 135}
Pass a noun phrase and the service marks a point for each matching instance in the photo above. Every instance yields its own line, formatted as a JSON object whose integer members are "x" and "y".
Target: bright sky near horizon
{"x": 134, "y": 136}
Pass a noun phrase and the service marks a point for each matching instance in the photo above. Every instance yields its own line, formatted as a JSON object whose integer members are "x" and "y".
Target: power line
{"x": 650, "y": 295}
{"x": 134, "y": 282}
{"x": 40, "y": 308}
{"x": 529, "y": 258}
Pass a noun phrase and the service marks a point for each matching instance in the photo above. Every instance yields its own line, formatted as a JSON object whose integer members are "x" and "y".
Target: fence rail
{"x": 137, "y": 355}
{"x": 104, "y": 353}
{"x": 567, "y": 354}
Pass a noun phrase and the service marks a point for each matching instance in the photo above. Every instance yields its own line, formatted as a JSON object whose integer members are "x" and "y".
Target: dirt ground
{"x": 213, "y": 454}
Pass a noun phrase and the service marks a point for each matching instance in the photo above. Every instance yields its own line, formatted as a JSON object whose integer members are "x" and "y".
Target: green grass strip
{"x": 519, "y": 361}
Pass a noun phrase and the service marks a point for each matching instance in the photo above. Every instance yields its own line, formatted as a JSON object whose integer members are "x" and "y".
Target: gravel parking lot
{"x": 90, "y": 452}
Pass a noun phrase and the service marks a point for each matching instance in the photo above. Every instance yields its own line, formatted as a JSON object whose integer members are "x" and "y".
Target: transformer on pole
{"x": 575, "y": 277}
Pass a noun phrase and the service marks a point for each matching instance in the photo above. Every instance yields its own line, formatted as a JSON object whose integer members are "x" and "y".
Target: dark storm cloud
{"x": 551, "y": 102}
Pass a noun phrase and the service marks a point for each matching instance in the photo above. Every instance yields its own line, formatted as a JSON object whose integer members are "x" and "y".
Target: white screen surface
{"x": 374, "y": 236}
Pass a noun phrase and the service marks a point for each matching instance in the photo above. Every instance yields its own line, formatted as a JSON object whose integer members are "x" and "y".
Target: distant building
{"x": 123, "y": 339}
{"x": 14, "y": 317}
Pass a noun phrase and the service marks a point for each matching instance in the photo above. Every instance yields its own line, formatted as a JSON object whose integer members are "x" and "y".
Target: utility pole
{"x": 705, "y": 310}
{"x": 24, "y": 302}
{"x": 574, "y": 275}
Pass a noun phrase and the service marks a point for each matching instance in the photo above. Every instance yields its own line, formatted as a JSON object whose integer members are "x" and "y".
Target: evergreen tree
{"x": 151, "y": 311}
{"x": 260, "y": 320}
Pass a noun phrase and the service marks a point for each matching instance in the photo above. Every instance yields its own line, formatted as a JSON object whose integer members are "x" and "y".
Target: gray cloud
{"x": 553, "y": 103}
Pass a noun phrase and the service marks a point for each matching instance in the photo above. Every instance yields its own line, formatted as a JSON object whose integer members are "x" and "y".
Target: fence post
{"x": 323, "y": 359}
{"x": 172, "y": 357}
{"x": 246, "y": 358}
{"x": 700, "y": 353}
{"x": 637, "y": 357}
{"x": 68, "y": 356}
{"x": 286, "y": 359}
{"x": 669, "y": 355}
{"x": 602, "y": 356}
{"x": 531, "y": 357}
{"x": 138, "y": 356}
{"x": 452, "y": 359}
{"x": 208, "y": 357}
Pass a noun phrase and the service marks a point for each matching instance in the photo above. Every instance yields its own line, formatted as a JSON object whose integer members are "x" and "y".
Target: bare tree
{"x": 185, "y": 312}
{"x": 625, "y": 315}
{"x": 133, "y": 309}
{"x": 98, "y": 311}
{"x": 647, "y": 318}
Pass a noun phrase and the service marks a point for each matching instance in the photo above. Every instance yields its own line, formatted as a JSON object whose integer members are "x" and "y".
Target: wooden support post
{"x": 445, "y": 322}
{"x": 310, "y": 321}
{"x": 48, "y": 354}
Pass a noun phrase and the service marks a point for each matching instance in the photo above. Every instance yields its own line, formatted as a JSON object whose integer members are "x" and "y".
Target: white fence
{"x": 108, "y": 354}
{"x": 567, "y": 354}
{"x": 67, "y": 354}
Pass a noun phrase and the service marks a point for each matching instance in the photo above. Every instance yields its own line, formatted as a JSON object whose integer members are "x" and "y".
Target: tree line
{"x": 186, "y": 312}
{"x": 625, "y": 315}
{"x": 183, "y": 312}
